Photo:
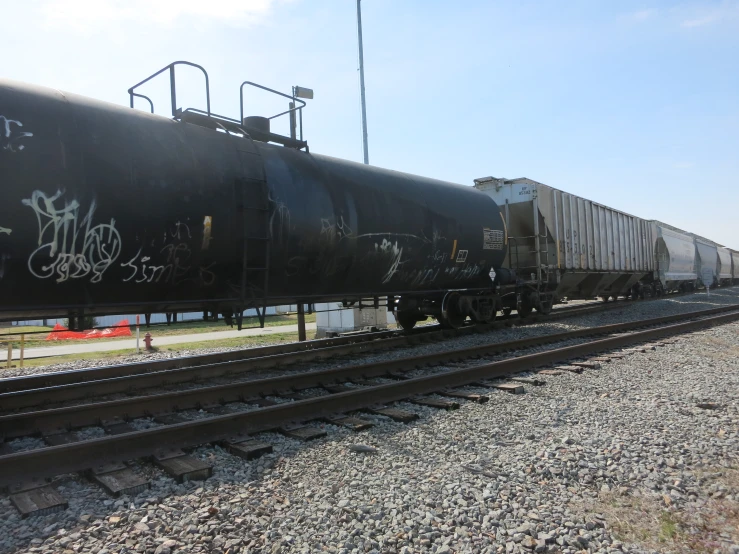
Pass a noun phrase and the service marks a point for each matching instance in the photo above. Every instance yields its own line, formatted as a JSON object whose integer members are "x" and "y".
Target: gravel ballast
{"x": 641, "y": 455}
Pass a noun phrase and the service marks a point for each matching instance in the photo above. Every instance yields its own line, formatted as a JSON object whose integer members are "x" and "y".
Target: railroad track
{"x": 347, "y": 389}
{"x": 152, "y": 373}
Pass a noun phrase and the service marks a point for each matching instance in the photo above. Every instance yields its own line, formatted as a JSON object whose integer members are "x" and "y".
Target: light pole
{"x": 361, "y": 82}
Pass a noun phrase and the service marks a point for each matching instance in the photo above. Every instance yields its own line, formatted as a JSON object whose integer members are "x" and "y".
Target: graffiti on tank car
{"x": 465, "y": 272}
{"x": 171, "y": 267}
{"x": 323, "y": 264}
{"x": 279, "y": 221}
{"x": 337, "y": 229}
{"x": 394, "y": 252}
{"x": 70, "y": 246}
{"x": 423, "y": 276}
{"x": 5, "y": 231}
{"x": 11, "y": 135}
{"x": 178, "y": 231}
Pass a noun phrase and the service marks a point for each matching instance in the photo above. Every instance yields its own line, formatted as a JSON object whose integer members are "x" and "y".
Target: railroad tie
{"x": 117, "y": 427}
{"x": 511, "y": 388}
{"x": 350, "y": 422}
{"x": 181, "y": 466}
{"x": 247, "y": 448}
{"x": 569, "y": 367}
{"x": 59, "y": 437}
{"x": 396, "y": 414}
{"x": 586, "y": 365}
{"x": 528, "y": 381}
{"x": 471, "y": 396}
{"x": 335, "y": 389}
{"x": 435, "y": 403}
{"x": 36, "y": 498}
{"x": 118, "y": 479}
{"x": 303, "y": 432}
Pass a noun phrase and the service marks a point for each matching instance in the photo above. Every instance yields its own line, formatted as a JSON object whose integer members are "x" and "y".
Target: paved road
{"x": 97, "y": 345}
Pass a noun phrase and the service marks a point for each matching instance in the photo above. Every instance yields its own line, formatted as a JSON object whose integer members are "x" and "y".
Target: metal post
{"x": 23, "y": 347}
{"x": 138, "y": 335}
{"x": 361, "y": 82}
{"x": 10, "y": 354}
{"x": 173, "y": 93}
{"x": 301, "y": 122}
{"x": 301, "y": 322}
{"x": 293, "y": 134}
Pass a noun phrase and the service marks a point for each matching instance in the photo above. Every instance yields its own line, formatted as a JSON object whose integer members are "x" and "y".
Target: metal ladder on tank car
{"x": 256, "y": 248}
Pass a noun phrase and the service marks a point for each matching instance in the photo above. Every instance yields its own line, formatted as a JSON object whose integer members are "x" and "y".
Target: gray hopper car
{"x": 563, "y": 246}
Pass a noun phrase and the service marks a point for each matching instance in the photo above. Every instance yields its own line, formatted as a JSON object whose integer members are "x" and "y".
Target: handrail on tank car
{"x": 172, "y": 86}
{"x": 291, "y": 98}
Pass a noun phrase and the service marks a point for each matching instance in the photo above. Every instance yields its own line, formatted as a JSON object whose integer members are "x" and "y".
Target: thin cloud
{"x": 700, "y": 22}
{"x": 86, "y": 15}
{"x": 643, "y": 15}
{"x": 702, "y": 17}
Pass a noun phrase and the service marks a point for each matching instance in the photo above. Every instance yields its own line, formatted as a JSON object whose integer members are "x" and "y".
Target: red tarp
{"x": 120, "y": 329}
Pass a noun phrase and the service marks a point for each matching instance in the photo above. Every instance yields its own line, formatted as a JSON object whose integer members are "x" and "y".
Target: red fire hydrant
{"x": 147, "y": 340}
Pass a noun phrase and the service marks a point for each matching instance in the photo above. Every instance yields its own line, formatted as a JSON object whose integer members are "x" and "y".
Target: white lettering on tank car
{"x": 462, "y": 256}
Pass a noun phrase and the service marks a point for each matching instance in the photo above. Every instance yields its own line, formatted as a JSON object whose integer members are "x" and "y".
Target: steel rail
{"x": 263, "y": 358}
{"x": 27, "y": 382}
{"x": 44, "y": 396}
{"x": 79, "y": 456}
{"x": 302, "y": 351}
{"x": 51, "y": 420}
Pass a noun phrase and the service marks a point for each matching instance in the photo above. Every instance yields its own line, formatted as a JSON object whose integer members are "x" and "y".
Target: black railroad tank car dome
{"x": 105, "y": 209}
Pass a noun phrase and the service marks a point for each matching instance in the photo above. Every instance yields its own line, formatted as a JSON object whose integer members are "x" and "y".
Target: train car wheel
{"x": 545, "y": 307}
{"x": 526, "y": 306}
{"x": 407, "y": 320}
{"x": 451, "y": 315}
{"x": 484, "y": 316}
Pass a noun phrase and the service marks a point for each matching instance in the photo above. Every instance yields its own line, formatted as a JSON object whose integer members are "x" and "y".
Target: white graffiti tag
{"x": 69, "y": 245}
{"x": 394, "y": 253}
{"x": 10, "y": 135}
{"x": 174, "y": 267}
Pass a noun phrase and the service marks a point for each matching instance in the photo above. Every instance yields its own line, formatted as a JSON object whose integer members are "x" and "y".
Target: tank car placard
{"x": 492, "y": 239}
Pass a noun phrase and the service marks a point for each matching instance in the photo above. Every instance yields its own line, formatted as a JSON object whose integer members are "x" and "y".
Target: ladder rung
{"x": 257, "y": 238}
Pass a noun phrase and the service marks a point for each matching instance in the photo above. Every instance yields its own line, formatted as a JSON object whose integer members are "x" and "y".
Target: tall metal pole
{"x": 361, "y": 82}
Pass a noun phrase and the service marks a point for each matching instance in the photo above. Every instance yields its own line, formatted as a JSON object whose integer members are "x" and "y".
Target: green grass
{"x": 668, "y": 527}
{"x": 35, "y": 336}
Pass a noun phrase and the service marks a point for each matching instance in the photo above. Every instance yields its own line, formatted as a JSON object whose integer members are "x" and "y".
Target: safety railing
{"x": 172, "y": 86}
{"x": 211, "y": 120}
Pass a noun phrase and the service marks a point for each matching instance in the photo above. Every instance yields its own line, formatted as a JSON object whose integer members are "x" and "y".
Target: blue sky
{"x": 632, "y": 104}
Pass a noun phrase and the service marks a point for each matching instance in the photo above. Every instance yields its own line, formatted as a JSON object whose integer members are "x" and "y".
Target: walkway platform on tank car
{"x": 126, "y": 344}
